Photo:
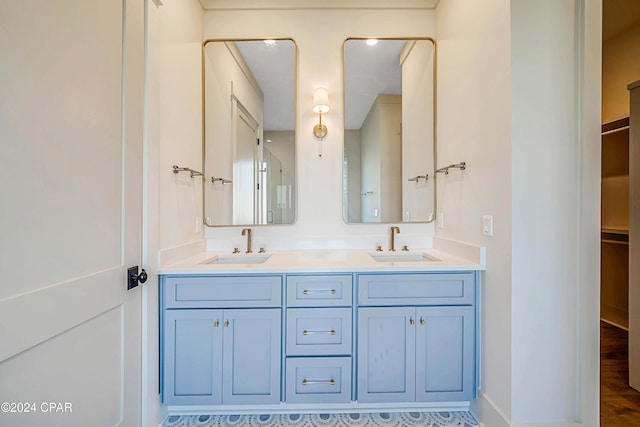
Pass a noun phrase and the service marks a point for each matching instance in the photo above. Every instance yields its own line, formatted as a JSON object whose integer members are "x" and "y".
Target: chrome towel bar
{"x": 418, "y": 178}
{"x": 193, "y": 172}
{"x": 222, "y": 180}
{"x": 445, "y": 170}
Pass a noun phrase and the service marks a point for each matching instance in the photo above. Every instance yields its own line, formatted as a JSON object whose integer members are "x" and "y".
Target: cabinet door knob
{"x": 226, "y": 323}
{"x": 216, "y": 323}
{"x": 411, "y": 321}
{"x": 421, "y": 320}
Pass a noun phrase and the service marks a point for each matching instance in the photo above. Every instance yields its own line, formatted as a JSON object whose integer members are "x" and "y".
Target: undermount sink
{"x": 402, "y": 257}
{"x": 241, "y": 258}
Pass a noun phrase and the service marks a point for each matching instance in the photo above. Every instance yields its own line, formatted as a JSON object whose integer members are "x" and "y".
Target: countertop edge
{"x": 323, "y": 261}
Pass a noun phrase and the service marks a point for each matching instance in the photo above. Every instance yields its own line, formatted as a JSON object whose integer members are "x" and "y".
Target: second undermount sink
{"x": 402, "y": 257}
{"x": 242, "y": 258}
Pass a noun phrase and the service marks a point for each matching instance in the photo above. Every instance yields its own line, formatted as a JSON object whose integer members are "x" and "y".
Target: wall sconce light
{"x": 320, "y": 105}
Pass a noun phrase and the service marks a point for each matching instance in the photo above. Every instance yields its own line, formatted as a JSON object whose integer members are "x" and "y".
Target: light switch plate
{"x": 487, "y": 225}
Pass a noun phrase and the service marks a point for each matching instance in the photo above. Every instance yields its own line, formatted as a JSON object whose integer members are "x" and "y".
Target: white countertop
{"x": 328, "y": 260}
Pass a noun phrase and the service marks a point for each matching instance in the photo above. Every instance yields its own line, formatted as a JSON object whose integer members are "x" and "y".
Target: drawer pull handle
{"x": 309, "y": 382}
{"x": 306, "y": 332}
{"x": 319, "y": 291}
{"x": 216, "y": 323}
{"x": 421, "y": 320}
{"x": 411, "y": 321}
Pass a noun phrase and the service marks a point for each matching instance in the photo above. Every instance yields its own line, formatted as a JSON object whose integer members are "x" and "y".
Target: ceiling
{"x": 618, "y": 16}
{"x": 368, "y": 72}
{"x": 315, "y": 4}
{"x": 273, "y": 67}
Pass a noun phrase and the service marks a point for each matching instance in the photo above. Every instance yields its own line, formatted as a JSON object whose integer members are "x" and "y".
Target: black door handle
{"x": 133, "y": 277}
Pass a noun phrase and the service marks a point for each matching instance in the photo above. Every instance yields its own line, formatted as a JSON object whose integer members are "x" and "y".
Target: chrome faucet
{"x": 394, "y": 230}
{"x": 247, "y": 232}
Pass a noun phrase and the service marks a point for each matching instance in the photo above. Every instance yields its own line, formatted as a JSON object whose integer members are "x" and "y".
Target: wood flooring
{"x": 619, "y": 403}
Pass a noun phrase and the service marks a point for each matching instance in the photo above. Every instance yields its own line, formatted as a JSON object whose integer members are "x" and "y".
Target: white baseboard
{"x": 486, "y": 413}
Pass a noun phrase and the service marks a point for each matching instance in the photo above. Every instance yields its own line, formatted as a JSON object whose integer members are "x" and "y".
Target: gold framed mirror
{"x": 389, "y": 154}
{"x": 248, "y": 131}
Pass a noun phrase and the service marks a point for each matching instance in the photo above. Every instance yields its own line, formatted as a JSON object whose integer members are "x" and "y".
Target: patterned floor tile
{"x": 384, "y": 419}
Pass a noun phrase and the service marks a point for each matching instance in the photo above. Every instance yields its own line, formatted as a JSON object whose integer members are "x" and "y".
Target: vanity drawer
{"x": 416, "y": 289}
{"x": 223, "y": 291}
{"x": 318, "y": 331}
{"x": 318, "y": 379}
{"x": 319, "y": 291}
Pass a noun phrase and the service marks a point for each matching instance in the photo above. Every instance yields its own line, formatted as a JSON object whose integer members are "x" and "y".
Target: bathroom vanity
{"x": 326, "y": 329}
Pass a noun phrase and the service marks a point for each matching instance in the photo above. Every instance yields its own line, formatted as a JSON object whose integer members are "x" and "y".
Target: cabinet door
{"x": 251, "y": 356}
{"x": 445, "y": 351}
{"x": 386, "y": 354}
{"x": 192, "y": 357}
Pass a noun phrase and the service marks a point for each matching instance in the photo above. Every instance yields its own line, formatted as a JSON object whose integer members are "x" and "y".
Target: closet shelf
{"x": 615, "y": 126}
{"x": 615, "y": 230}
{"x": 616, "y": 236}
{"x": 615, "y": 242}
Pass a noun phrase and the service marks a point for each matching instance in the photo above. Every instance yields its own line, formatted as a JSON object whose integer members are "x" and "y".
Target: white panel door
{"x": 244, "y": 167}
{"x": 70, "y": 211}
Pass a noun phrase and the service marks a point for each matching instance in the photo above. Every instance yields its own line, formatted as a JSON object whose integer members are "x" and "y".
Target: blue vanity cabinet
{"x": 222, "y": 340}
{"x": 386, "y": 349}
{"x": 319, "y": 338}
{"x": 327, "y": 339}
{"x": 251, "y": 356}
{"x": 192, "y": 357}
{"x": 445, "y": 353}
{"x": 418, "y": 344}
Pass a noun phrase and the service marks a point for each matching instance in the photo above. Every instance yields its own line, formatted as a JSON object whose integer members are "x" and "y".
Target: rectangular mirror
{"x": 248, "y": 131}
{"x": 389, "y": 130}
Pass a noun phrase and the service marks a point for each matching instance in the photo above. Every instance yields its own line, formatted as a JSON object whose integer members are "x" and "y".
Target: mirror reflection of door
{"x": 272, "y": 174}
{"x": 279, "y": 176}
{"x": 249, "y": 96}
{"x": 246, "y": 185}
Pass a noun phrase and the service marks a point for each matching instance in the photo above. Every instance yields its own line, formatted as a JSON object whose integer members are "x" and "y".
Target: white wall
{"x": 173, "y": 101}
{"x": 544, "y": 211}
{"x": 474, "y": 109}
{"x": 175, "y": 37}
{"x": 519, "y": 101}
{"x": 417, "y": 132}
{"x": 319, "y": 34}
{"x": 352, "y": 152}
